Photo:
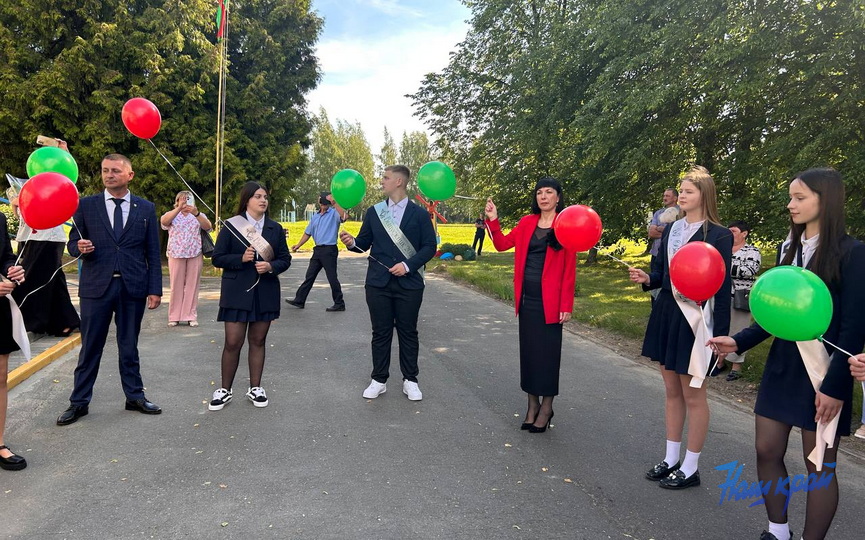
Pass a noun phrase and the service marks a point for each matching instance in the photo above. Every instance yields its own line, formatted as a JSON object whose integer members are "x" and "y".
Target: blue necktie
{"x": 118, "y": 218}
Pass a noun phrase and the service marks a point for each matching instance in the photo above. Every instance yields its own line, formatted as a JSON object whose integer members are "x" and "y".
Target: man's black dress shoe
{"x": 661, "y": 470}
{"x": 72, "y": 414}
{"x": 13, "y": 462}
{"x": 143, "y": 406}
{"x": 336, "y": 307}
{"x": 294, "y": 302}
{"x": 677, "y": 480}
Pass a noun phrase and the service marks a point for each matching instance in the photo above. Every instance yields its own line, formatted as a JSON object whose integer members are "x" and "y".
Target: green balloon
{"x": 437, "y": 181}
{"x": 348, "y": 187}
{"x": 52, "y": 159}
{"x": 791, "y": 303}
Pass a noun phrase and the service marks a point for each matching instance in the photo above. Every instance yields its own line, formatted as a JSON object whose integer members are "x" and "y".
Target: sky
{"x": 373, "y": 52}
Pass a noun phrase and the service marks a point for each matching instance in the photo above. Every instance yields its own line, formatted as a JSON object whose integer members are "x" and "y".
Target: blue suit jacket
{"x": 136, "y": 254}
{"x": 416, "y": 226}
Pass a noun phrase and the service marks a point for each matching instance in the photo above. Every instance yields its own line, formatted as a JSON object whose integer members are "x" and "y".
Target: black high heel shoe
{"x": 535, "y": 429}
{"x": 13, "y": 462}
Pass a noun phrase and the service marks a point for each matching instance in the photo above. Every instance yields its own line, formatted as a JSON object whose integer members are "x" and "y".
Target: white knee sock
{"x": 672, "y": 456}
{"x": 690, "y": 464}
{"x": 780, "y": 530}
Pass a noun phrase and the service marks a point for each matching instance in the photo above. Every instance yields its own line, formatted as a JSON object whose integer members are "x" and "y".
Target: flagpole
{"x": 222, "y": 37}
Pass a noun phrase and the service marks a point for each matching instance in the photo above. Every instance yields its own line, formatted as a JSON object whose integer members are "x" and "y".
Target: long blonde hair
{"x": 705, "y": 184}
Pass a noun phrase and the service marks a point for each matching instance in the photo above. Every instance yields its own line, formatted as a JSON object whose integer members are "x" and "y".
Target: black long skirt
{"x": 49, "y": 310}
{"x": 540, "y": 345}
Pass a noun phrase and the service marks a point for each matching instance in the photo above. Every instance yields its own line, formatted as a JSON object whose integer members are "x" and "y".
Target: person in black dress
{"x": 544, "y": 276}
{"x": 249, "y": 297}
{"x": 818, "y": 241}
{"x": 670, "y": 339}
{"x": 8, "y": 460}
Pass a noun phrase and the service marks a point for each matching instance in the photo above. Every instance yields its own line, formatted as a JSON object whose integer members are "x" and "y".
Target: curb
{"x": 24, "y": 371}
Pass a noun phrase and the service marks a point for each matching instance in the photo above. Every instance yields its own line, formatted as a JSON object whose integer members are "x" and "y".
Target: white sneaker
{"x": 860, "y": 433}
{"x": 374, "y": 389}
{"x": 257, "y": 396}
{"x": 411, "y": 389}
{"x": 220, "y": 398}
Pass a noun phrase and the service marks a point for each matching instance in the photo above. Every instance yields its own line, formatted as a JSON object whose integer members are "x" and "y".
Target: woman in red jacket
{"x": 544, "y": 274}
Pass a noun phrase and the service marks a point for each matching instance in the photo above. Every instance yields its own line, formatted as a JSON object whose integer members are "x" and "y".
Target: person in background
{"x": 480, "y": 233}
{"x": 656, "y": 225}
{"x": 818, "y": 241}
{"x": 744, "y": 269}
{"x": 184, "y": 224}
{"x": 671, "y": 340}
{"x": 857, "y": 369}
{"x": 544, "y": 277}
{"x": 252, "y": 251}
{"x": 49, "y": 310}
{"x": 8, "y": 460}
{"x": 322, "y": 228}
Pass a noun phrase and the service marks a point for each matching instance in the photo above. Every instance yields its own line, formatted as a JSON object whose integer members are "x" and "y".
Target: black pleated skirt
{"x": 540, "y": 345}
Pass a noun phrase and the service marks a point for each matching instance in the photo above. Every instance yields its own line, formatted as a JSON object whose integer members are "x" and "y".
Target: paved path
{"x": 322, "y": 462}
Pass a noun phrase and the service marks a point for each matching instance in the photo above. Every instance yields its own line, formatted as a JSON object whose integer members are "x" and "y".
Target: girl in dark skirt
{"x": 544, "y": 275}
{"x": 669, "y": 338}
{"x": 249, "y": 297}
{"x": 817, "y": 241}
{"x": 8, "y": 460}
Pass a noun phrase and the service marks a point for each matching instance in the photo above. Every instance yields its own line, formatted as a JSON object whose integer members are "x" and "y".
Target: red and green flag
{"x": 220, "y": 20}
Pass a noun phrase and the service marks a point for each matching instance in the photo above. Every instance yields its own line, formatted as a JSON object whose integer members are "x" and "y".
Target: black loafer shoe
{"x": 677, "y": 480}
{"x": 661, "y": 470}
{"x": 72, "y": 414}
{"x": 293, "y": 302}
{"x": 336, "y": 308}
{"x": 143, "y": 406}
{"x": 13, "y": 462}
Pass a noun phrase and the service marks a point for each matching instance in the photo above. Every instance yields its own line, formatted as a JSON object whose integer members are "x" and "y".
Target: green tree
{"x": 67, "y": 69}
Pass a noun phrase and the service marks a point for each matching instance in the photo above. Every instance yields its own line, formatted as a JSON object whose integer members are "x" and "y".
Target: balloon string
{"x": 618, "y": 260}
{"x": 21, "y": 251}
{"x": 183, "y": 179}
{"x": 49, "y": 280}
{"x": 839, "y": 349}
{"x": 469, "y": 198}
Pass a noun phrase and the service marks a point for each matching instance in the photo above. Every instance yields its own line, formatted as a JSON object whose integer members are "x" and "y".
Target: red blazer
{"x": 560, "y": 267}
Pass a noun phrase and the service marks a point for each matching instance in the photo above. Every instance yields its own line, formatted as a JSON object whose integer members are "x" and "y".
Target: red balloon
{"x": 578, "y": 227}
{"x": 141, "y": 118}
{"x": 47, "y": 200}
{"x": 697, "y": 270}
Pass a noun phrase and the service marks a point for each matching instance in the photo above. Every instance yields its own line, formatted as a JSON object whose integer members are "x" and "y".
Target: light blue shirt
{"x": 323, "y": 227}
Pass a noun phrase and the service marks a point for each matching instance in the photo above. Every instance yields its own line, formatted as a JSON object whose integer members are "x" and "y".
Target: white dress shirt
{"x": 124, "y": 206}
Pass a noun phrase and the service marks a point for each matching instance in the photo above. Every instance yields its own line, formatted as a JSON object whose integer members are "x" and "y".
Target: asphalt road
{"x": 322, "y": 462}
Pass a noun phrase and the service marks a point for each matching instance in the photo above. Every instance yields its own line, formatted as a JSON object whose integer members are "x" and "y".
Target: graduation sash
{"x": 249, "y": 232}
{"x": 396, "y": 235}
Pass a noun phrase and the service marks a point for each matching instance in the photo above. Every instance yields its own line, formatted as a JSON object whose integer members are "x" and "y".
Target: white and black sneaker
{"x": 257, "y": 396}
{"x": 220, "y": 398}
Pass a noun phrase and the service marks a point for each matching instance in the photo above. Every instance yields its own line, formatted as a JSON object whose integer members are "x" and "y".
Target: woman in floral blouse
{"x": 746, "y": 265}
{"x": 183, "y": 224}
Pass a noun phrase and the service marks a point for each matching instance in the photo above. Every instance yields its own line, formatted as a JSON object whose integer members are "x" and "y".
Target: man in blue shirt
{"x": 322, "y": 228}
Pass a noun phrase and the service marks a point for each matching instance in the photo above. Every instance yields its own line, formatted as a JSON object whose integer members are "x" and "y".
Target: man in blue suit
{"x": 401, "y": 239}
{"x": 117, "y": 236}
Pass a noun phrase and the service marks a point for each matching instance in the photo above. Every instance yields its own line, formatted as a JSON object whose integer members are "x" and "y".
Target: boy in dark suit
{"x": 401, "y": 239}
{"x": 117, "y": 236}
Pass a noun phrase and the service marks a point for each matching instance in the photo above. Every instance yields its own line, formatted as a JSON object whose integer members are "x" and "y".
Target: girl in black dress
{"x": 818, "y": 241}
{"x": 249, "y": 296}
{"x": 669, "y": 338}
{"x": 8, "y": 460}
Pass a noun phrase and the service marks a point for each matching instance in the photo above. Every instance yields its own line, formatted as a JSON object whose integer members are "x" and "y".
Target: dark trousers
{"x": 479, "y": 240}
{"x": 322, "y": 257}
{"x": 96, "y": 314}
{"x": 389, "y": 307}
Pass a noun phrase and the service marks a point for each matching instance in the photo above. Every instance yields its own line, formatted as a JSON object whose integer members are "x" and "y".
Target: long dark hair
{"x": 246, "y": 193}
{"x": 829, "y": 187}
{"x": 549, "y": 182}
